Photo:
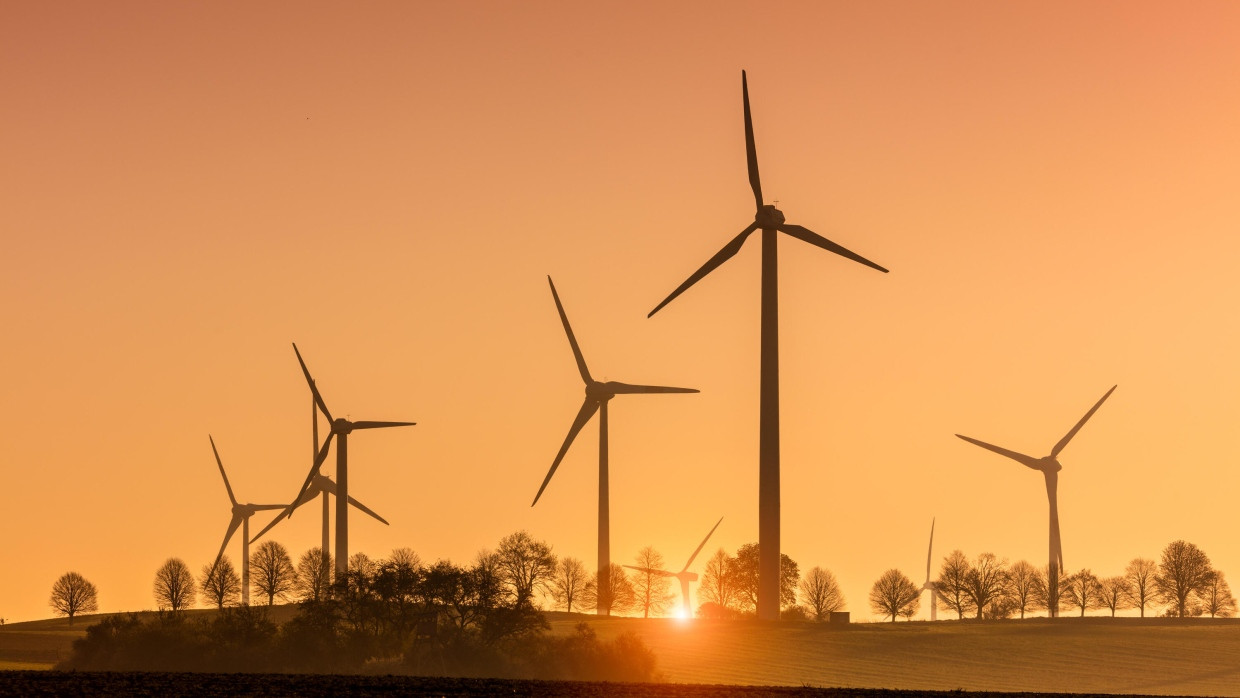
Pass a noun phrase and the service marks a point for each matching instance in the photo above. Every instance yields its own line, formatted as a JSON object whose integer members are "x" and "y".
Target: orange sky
{"x": 188, "y": 188}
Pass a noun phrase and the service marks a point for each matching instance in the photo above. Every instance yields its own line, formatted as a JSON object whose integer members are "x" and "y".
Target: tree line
{"x": 1183, "y": 583}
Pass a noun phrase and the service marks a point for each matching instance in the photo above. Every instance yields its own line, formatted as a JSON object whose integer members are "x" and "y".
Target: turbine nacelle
{"x": 768, "y": 217}
{"x": 600, "y": 392}
{"x": 1049, "y": 464}
{"x": 340, "y": 425}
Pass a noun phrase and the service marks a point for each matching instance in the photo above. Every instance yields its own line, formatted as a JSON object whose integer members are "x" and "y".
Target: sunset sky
{"x": 187, "y": 188}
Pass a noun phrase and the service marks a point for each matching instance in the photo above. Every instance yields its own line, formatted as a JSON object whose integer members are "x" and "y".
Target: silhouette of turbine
{"x": 341, "y": 428}
{"x": 241, "y": 514}
{"x": 1049, "y": 467}
{"x": 684, "y": 575}
{"x": 320, "y": 485}
{"x": 929, "y": 585}
{"x": 598, "y": 394}
{"x": 771, "y": 221}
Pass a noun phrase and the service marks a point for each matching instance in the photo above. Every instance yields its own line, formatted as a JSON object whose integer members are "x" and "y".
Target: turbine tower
{"x": 771, "y": 221}
{"x": 929, "y": 585}
{"x": 598, "y": 394}
{"x": 684, "y": 575}
{"x": 341, "y": 428}
{"x": 241, "y": 514}
{"x": 1049, "y": 467}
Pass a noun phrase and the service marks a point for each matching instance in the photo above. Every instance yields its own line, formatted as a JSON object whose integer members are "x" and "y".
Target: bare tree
{"x": 894, "y": 594}
{"x": 405, "y": 558}
{"x": 1047, "y": 592}
{"x": 1216, "y": 598}
{"x": 273, "y": 571}
{"x": 952, "y": 583}
{"x": 986, "y": 582}
{"x": 361, "y": 565}
{"x": 527, "y": 565}
{"x": 1114, "y": 593}
{"x": 220, "y": 583}
{"x": 1140, "y": 575}
{"x": 314, "y": 575}
{"x": 73, "y": 594}
{"x": 617, "y": 596}
{"x": 820, "y": 593}
{"x": 717, "y": 586}
{"x": 1082, "y": 590}
{"x": 1022, "y": 581}
{"x": 569, "y": 582}
{"x": 174, "y": 585}
{"x": 651, "y": 588}
{"x": 743, "y": 569}
{"x": 1185, "y": 570}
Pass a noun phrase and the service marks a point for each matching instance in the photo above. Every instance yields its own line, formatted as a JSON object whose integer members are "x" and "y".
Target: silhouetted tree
{"x": 73, "y": 594}
{"x": 1082, "y": 590}
{"x": 527, "y": 566}
{"x": 1114, "y": 593}
{"x": 1022, "y": 580}
{"x": 1184, "y": 571}
{"x": 1140, "y": 577}
{"x": 743, "y": 570}
{"x": 361, "y": 563}
{"x": 618, "y": 595}
{"x": 985, "y": 582}
{"x": 314, "y": 576}
{"x": 220, "y": 584}
{"x": 272, "y": 570}
{"x": 1047, "y": 592}
{"x": 405, "y": 557}
{"x": 651, "y": 589}
{"x": 1216, "y": 598}
{"x": 174, "y": 585}
{"x": 717, "y": 586}
{"x": 568, "y": 583}
{"x": 894, "y": 594}
{"x": 820, "y": 593}
{"x": 952, "y": 584}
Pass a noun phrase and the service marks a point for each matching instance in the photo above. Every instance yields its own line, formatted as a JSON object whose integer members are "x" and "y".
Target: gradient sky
{"x": 189, "y": 187}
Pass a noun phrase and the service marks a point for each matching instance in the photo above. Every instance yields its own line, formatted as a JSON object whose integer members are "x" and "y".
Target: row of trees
{"x": 1183, "y": 581}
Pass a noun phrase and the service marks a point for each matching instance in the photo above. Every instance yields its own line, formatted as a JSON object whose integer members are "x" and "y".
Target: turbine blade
{"x": 588, "y": 408}
{"x": 1027, "y": 461}
{"x": 627, "y": 389}
{"x": 817, "y": 240}
{"x": 318, "y": 399}
{"x": 751, "y": 153}
{"x": 929, "y": 553}
{"x": 381, "y": 425}
{"x": 267, "y": 507}
{"x": 729, "y": 250}
{"x": 220, "y": 463}
{"x": 232, "y": 528}
{"x": 702, "y": 545}
{"x": 366, "y": 510}
{"x": 572, "y": 340}
{"x": 314, "y": 469}
{"x": 1068, "y": 437}
{"x": 288, "y": 509}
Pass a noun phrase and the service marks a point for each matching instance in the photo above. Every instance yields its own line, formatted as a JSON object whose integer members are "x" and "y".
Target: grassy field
{"x": 1093, "y": 655}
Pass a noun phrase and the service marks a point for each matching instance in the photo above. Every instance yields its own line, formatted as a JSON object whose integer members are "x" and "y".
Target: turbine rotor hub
{"x": 599, "y": 391}
{"x": 341, "y": 426}
{"x": 768, "y": 217}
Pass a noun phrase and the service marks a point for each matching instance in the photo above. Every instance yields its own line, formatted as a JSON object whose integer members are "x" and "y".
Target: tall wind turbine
{"x": 1049, "y": 467}
{"x": 241, "y": 514}
{"x": 771, "y": 221}
{"x": 341, "y": 428}
{"x": 598, "y": 394}
{"x": 929, "y": 585}
{"x": 684, "y": 575}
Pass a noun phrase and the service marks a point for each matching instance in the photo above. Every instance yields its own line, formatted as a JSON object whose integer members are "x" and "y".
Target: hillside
{"x": 1123, "y": 655}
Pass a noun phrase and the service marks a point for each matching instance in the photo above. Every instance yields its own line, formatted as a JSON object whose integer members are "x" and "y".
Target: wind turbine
{"x": 684, "y": 575}
{"x": 319, "y": 485}
{"x": 1049, "y": 467}
{"x": 241, "y": 514}
{"x": 341, "y": 428}
{"x": 929, "y": 585}
{"x": 598, "y": 394}
{"x": 771, "y": 221}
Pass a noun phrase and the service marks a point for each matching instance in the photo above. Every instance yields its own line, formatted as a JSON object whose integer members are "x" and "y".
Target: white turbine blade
{"x": 1068, "y": 437}
{"x": 220, "y": 463}
{"x": 702, "y": 545}
{"x": 1027, "y": 461}
{"x": 929, "y": 553}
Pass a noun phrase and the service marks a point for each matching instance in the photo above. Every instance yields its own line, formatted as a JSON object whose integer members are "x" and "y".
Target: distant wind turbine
{"x": 241, "y": 514}
{"x": 929, "y": 585}
{"x": 320, "y": 485}
{"x": 684, "y": 575}
{"x": 1049, "y": 467}
{"x": 598, "y": 394}
{"x": 341, "y": 428}
{"x": 771, "y": 221}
